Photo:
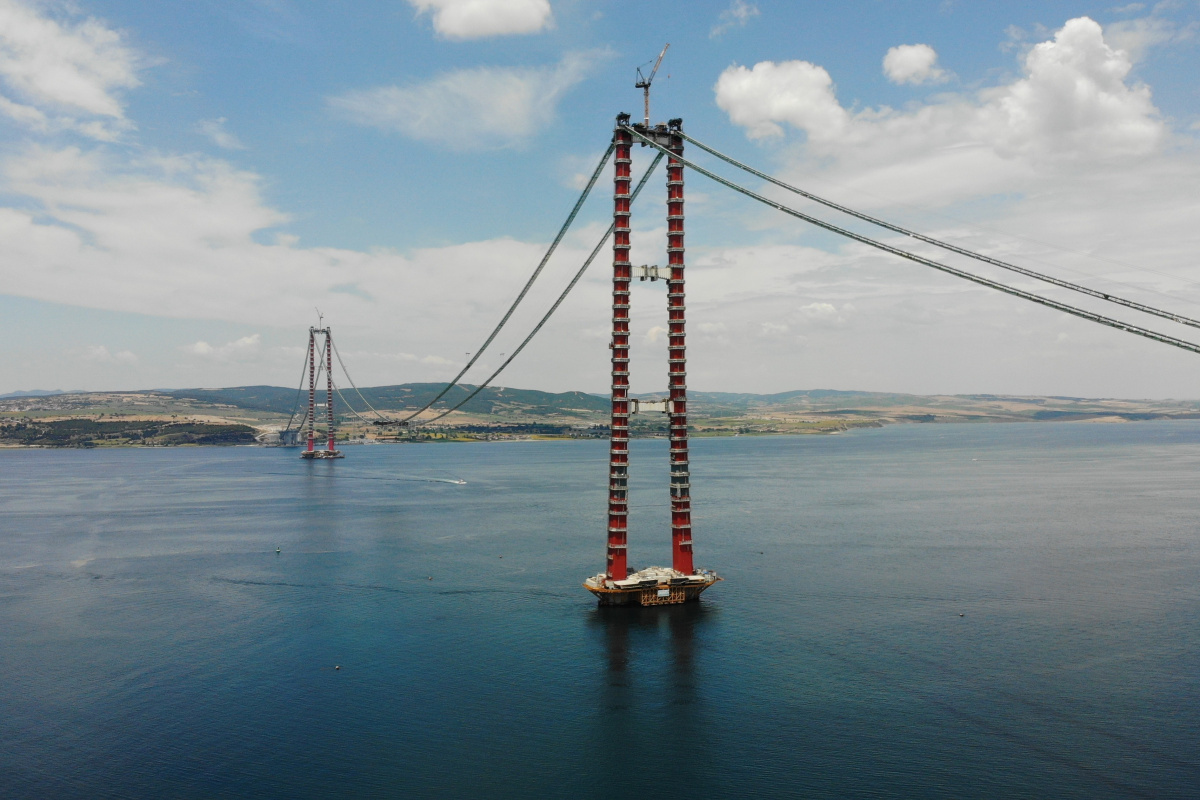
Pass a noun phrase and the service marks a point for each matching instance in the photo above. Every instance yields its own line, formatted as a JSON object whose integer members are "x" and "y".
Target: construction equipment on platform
{"x": 651, "y": 272}
{"x": 653, "y": 586}
{"x": 644, "y": 83}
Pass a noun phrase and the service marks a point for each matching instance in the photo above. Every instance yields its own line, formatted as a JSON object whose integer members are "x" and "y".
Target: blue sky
{"x": 183, "y": 183}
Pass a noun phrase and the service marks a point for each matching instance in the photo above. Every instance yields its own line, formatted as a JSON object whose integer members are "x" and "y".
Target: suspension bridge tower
{"x": 310, "y": 450}
{"x": 681, "y": 582}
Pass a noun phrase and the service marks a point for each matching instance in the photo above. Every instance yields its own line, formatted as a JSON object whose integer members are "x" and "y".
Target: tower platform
{"x": 322, "y": 454}
{"x": 653, "y": 586}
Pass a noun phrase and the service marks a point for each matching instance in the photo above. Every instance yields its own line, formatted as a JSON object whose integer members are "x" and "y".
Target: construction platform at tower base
{"x": 322, "y": 454}
{"x": 653, "y": 586}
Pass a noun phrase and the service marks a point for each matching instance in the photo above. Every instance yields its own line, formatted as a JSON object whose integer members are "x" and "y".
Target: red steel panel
{"x": 681, "y": 500}
{"x": 312, "y": 387}
{"x": 329, "y": 386}
{"x": 618, "y": 449}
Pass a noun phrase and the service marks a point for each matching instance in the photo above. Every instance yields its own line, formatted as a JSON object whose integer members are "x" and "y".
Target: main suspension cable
{"x": 317, "y": 377}
{"x": 657, "y": 158}
{"x": 1074, "y": 287}
{"x": 299, "y": 391}
{"x": 887, "y": 248}
{"x": 546, "y": 258}
{"x": 346, "y": 372}
{"x": 349, "y": 407}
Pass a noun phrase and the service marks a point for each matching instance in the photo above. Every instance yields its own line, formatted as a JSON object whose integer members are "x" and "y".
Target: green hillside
{"x": 408, "y": 396}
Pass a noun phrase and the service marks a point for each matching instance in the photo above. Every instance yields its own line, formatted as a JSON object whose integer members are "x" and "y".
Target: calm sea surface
{"x": 991, "y": 611}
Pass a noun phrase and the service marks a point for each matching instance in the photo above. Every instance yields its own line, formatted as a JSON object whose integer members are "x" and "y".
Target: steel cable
{"x": 299, "y": 391}
{"x": 1074, "y": 287}
{"x": 338, "y": 389}
{"x": 546, "y": 258}
{"x": 346, "y": 372}
{"x": 657, "y": 158}
{"x": 887, "y": 248}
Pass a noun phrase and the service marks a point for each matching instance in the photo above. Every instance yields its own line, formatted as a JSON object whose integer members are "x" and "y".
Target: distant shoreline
{"x": 205, "y": 435}
{"x": 256, "y": 414}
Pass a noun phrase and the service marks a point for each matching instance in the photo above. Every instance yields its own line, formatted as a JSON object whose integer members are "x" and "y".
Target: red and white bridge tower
{"x": 331, "y": 451}
{"x": 680, "y": 582}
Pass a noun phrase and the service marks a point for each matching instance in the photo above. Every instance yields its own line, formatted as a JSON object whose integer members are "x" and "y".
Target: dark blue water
{"x": 153, "y": 644}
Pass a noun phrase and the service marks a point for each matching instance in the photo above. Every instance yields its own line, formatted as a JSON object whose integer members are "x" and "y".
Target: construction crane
{"x": 644, "y": 83}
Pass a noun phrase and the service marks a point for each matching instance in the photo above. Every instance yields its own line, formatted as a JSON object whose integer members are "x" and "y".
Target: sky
{"x": 184, "y": 184}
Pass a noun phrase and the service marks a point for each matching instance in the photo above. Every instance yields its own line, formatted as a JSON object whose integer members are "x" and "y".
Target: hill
{"x": 403, "y": 397}
{"x": 504, "y": 412}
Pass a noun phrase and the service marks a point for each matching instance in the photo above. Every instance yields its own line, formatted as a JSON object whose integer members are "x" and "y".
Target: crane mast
{"x": 644, "y": 83}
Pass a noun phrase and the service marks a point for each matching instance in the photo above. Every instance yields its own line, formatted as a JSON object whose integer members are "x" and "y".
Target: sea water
{"x": 934, "y": 611}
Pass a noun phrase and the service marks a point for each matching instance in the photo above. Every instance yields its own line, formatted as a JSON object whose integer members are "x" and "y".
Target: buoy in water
{"x": 276, "y": 549}
{"x": 337, "y": 666}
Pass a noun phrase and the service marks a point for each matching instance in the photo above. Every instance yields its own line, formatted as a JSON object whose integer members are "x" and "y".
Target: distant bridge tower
{"x": 681, "y": 582}
{"x": 310, "y": 451}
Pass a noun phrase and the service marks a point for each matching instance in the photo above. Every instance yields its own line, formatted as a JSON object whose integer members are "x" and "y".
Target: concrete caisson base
{"x": 654, "y": 586}
{"x": 322, "y": 454}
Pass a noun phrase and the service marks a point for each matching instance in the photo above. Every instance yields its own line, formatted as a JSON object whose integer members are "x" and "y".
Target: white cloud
{"x": 736, "y": 16}
{"x": 244, "y": 347}
{"x": 795, "y": 92}
{"x": 215, "y": 130}
{"x": 1074, "y": 146}
{"x": 486, "y": 107}
{"x": 1136, "y": 36}
{"x": 26, "y": 115}
{"x": 172, "y": 205}
{"x": 1071, "y": 152}
{"x": 69, "y": 69}
{"x": 190, "y": 238}
{"x": 478, "y": 19}
{"x": 1074, "y": 98}
{"x": 912, "y": 63}
{"x": 576, "y": 170}
{"x": 100, "y": 354}
{"x": 821, "y": 312}
{"x": 87, "y": 242}
{"x": 1073, "y": 101}
{"x": 772, "y": 329}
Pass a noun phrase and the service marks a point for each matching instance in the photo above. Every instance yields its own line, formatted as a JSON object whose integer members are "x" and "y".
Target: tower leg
{"x": 329, "y": 385}
{"x": 618, "y": 450}
{"x": 312, "y": 387}
{"x": 681, "y": 492}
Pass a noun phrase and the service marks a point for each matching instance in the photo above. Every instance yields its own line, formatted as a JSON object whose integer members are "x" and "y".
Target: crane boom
{"x": 644, "y": 83}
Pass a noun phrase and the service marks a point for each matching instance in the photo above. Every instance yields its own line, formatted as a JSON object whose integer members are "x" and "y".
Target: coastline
{"x": 450, "y": 435}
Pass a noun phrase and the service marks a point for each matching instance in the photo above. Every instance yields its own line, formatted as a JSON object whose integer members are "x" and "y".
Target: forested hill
{"x": 408, "y": 396}
{"x": 504, "y": 403}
